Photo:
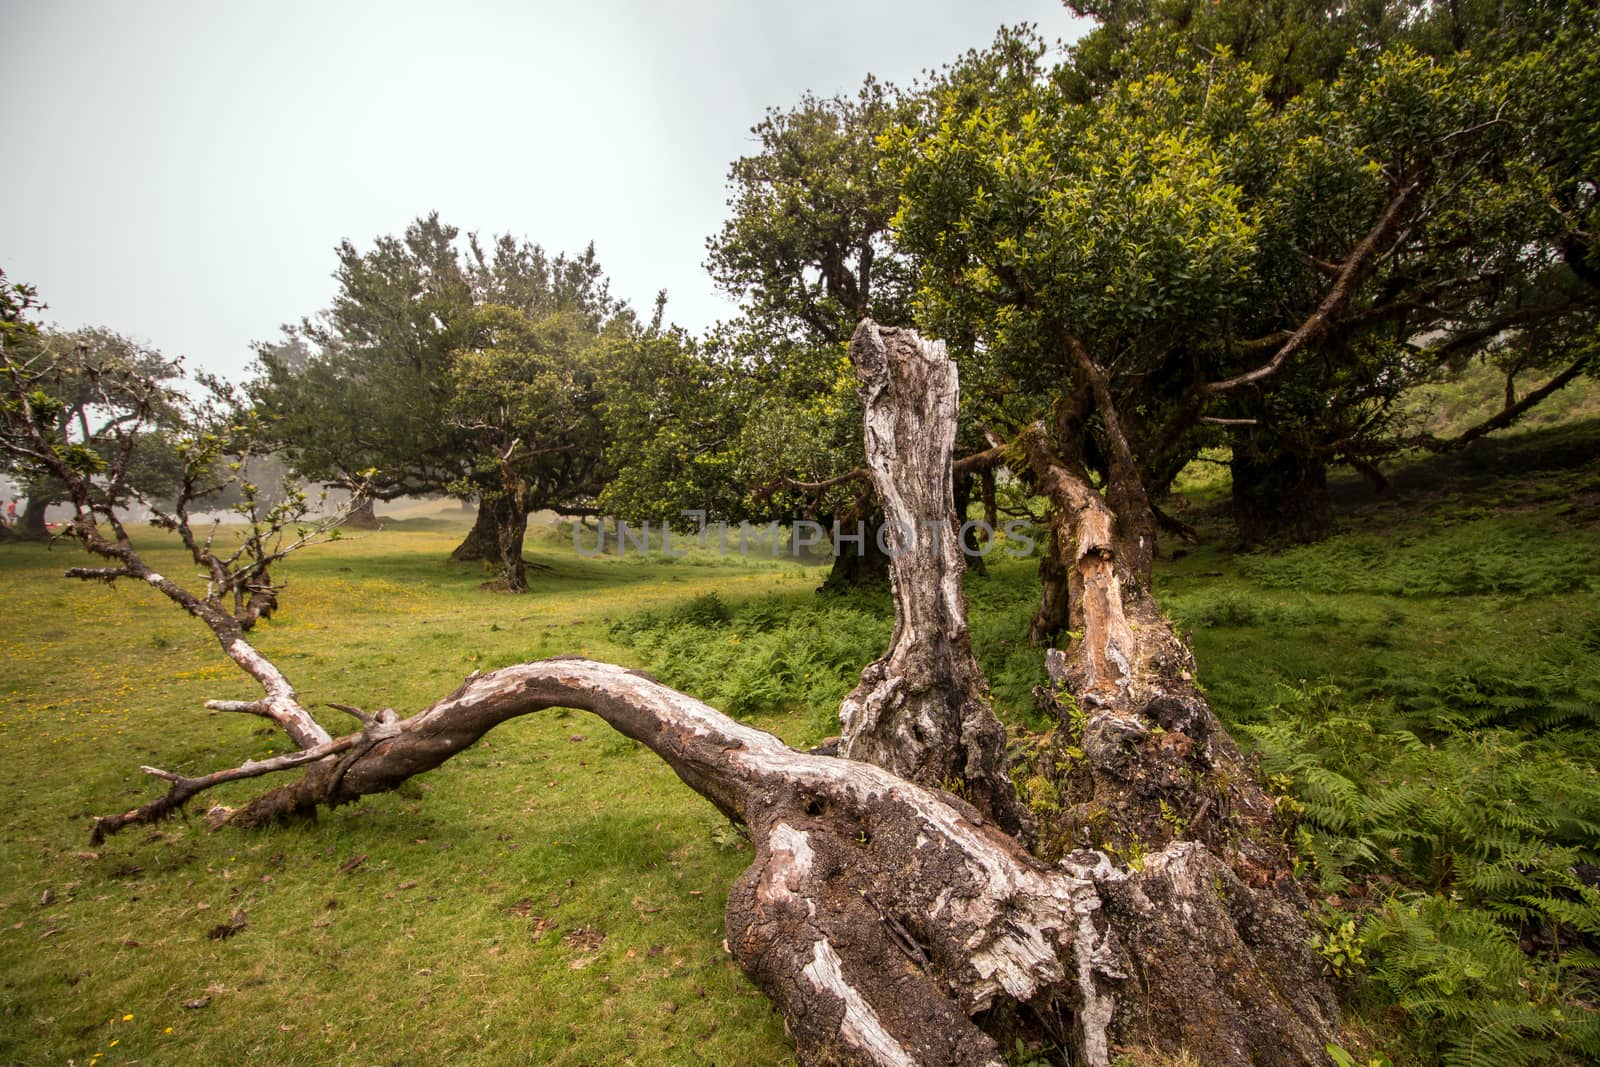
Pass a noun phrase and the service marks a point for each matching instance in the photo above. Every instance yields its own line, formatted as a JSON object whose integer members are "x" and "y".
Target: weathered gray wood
{"x": 922, "y": 709}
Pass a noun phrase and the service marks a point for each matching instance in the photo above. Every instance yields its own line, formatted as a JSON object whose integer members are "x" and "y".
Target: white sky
{"x": 181, "y": 172}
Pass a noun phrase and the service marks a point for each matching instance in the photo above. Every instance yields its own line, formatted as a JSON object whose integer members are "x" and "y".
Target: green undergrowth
{"x": 1423, "y": 691}
{"x": 554, "y": 895}
{"x": 798, "y": 655}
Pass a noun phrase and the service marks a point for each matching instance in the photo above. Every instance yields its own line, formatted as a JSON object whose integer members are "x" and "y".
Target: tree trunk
{"x": 1279, "y": 495}
{"x": 1055, "y": 594}
{"x": 361, "y": 515}
{"x": 886, "y": 918}
{"x": 858, "y": 563}
{"x": 881, "y": 916}
{"x": 510, "y": 533}
{"x": 1143, "y": 767}
{"x": 971, "y": 546}
{"x": 30, "y": 523}
{"x": 922, "y": 710}
{"x": 483, "y": 540}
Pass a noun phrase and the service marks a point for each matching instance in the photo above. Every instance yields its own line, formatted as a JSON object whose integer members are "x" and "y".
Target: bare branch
{"x": 98, "y": 574}
{"x": 245, "y": 707}
{"x": 1507, "y": 415}
{"x": 183, "y": 789}
{"x": 1338, "y": 297}
{"x": 352, "y": 710}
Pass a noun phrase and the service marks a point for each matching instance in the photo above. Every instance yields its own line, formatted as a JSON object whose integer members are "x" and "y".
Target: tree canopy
{"x": 425, "y": 374}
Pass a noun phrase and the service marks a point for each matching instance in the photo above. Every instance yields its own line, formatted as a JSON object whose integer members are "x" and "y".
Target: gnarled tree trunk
{"x": 1279, "y": 494}
{"x": 1146, "y": 770}
{"x": 30, "y": 521}
{"x": 509, "y": 538}
{"x": 483, "y": 540}
{"x": 888, "y": 918}
{"x": 922, "y": 710}
{"x": 361, "y": 515}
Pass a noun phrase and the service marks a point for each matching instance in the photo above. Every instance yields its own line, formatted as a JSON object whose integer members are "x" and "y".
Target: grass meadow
{"x": 1423, "y": 690}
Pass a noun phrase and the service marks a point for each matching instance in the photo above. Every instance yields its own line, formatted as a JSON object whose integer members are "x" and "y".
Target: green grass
{"x": 1478, "y": 392}
{"x": 469, "y": 934}
{"x": 1422, "y": 688}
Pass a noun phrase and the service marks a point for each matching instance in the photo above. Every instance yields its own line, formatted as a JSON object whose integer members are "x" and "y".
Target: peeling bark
{"x": 878, "y": 914}
{"x": 1202, "y": 896}
{"x": 922, "y": 709}
{"x": 1125, "y": 685}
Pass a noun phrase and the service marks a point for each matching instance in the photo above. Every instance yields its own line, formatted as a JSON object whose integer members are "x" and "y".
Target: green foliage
{"x": 670, "y": 409}
{"x": 102, "y": 400}
{"x": 1515, "y": 555}
{"x": 807, "y": 251}
{"x": 1480, "y": 1000}
{"x": 1488, "y": 826}
{"x": 766, "y": 657}
{"x": 1440, "y": 770}
{"x": 371, "y": 390}
{"x": 1340, "y": 948}
{"x": 523, "y": 393}
{"x": 1342, "y": 1058}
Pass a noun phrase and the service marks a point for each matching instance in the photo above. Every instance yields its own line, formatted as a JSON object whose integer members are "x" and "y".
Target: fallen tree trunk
{"x": 891, "y": 921}
{"x": 879, "y": 915}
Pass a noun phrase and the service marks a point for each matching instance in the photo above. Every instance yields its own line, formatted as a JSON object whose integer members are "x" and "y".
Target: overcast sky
{"x": 181, "y": 172}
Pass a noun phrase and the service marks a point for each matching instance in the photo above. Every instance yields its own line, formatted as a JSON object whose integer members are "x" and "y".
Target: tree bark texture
{"x": 510, "y": 534}
{"x": 881, "y": 916}
{"x": 922, "y": 709}
{"x": 1144, "y": 769}
{"x": 483, "y": 540}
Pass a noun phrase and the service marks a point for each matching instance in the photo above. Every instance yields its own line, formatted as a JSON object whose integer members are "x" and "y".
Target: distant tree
{"x": 526, "y": 394}
{"x": 808, "y": 248}
{"x": 673, "y": 409}
{"x": 357, "y": 393}
{"x": 363, "y": 393}
{"x": 808, "y": 253}
{"x": 82, "y": 373}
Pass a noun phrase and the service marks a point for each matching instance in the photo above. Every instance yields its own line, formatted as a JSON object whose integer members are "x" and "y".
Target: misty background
{"x": 181, "y": 172}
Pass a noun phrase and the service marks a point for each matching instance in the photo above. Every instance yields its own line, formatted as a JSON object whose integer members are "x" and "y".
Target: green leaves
{"x": 395, "y": 384}
{"x": 1120, "y": 224}
{"x": 807, "y": 250}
